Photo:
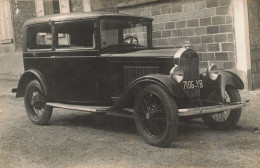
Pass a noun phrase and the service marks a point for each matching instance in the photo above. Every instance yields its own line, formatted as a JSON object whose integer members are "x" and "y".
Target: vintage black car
{"x": 105, "y": 62}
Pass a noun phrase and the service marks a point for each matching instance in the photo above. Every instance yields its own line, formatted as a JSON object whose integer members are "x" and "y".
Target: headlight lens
{"x": 177, "y": 73}
{"x": 213, "y": 72}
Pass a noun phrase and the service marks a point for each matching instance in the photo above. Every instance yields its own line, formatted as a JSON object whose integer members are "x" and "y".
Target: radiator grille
{"x": 133, "y": 72}
{"x": 190, "y": 67}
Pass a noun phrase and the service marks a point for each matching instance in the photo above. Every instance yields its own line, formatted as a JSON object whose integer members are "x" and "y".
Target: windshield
{"x": 121, "y": 32}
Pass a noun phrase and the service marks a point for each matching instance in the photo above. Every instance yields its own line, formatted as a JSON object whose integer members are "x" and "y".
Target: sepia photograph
{"x": 129, "y": 83}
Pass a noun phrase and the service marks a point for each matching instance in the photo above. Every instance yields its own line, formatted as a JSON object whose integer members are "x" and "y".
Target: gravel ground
{"x": 79, "y": 140}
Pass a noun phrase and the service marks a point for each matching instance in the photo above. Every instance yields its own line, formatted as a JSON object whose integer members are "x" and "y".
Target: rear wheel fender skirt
{"x": 166, "y": 82}
{"x": 27, "y": 77}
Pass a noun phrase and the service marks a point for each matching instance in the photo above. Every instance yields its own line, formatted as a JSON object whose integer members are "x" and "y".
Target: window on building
{"x": 5, "y": 22}
{"x": 75, "y": 35}
{"x": 51, "y": 7}
{"x": 39, "y": 37}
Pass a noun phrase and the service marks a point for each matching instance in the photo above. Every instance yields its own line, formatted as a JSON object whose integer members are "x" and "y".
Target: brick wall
{"x": 206, "y": 24}
{"x": 254, "y": 35}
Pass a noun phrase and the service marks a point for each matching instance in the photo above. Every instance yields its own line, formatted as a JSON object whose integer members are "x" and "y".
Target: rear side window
{"x": 39, "y": 37}
{"x": 78, "y": 34}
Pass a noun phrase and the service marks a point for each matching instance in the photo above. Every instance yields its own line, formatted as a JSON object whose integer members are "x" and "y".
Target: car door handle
{"x": 53, "y": 56}
{"x": 34, "y": 54}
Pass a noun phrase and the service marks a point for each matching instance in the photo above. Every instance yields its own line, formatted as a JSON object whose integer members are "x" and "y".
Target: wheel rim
{"x": 152, "y": 116}
{"x": 223, "y": 116}
{"x": 36, "y": 102}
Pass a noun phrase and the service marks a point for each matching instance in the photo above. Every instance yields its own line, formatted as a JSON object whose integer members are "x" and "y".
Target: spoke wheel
{"x": 37, "y": 110}
{"x": 223, "y": 116}
{"x": 224, "y": 120}
{"x": 152, "y": 116}
{"x": 156, "y": 116}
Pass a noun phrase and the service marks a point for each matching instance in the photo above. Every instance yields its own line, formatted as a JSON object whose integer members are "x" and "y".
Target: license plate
{"x": 192, "y": 84}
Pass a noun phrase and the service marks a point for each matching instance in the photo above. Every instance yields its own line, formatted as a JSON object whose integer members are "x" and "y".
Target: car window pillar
{"x": 149, "y": 35}
{"x": 54, "y": 36}
{"x": 120, "y": 35}
{"x": 97, "y": 35}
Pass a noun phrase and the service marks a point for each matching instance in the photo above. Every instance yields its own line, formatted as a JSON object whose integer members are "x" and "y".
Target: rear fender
{"x": 166, "y": 82}
{"x": 27, "y": 77}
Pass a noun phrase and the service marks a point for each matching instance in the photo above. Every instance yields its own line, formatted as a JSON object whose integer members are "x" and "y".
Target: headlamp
{"x": 177, "y": 73}
{"x": 212, "y": 72}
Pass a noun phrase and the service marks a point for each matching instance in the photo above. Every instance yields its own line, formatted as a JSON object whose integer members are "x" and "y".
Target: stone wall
{"x": 254, "y": 35}
{"x": 206, "y": 24}
{"x": 76, "y": 6}
{"x": 11, "y": 54}
{"x": 112, "y": 3}
{"x": 21, "y": 11}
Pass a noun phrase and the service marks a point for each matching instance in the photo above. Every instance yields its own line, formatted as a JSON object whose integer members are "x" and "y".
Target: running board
{"x": 181, "y": 112}
{"x": 93, "y": 109}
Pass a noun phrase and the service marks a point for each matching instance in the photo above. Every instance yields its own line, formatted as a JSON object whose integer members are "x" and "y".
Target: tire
{"x": 35, "y": 104}
{"x": 156, "y": 116}
{"x": 231, "y": 116}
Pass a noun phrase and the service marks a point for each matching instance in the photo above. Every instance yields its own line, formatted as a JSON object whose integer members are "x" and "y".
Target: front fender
{"x": 225, "y": 79}
{"x": 166, "y": 82}
{"x": 27, "y": 77}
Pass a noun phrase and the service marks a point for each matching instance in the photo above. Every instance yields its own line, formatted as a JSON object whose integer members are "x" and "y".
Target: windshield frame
{"x": 148, "y": 31}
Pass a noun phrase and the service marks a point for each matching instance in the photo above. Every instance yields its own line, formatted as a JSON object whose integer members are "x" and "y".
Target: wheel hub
{"x": 147, "y": 115}
{"x": 151, "y": 110}
{"x": 38, "y": 101}
{"x": 153, "y": 117}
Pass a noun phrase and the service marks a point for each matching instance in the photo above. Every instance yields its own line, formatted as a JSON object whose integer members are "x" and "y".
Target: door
{"x": 81, "y": 74}
{"x": 39, "y": 53}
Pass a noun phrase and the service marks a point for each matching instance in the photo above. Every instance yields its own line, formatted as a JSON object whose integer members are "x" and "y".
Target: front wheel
{"x": 156, "y": 116}
{"x": 227, "y": 119}
{"x": 35, "y": 104}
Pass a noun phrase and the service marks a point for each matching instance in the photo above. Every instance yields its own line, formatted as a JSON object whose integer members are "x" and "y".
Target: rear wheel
{"x": 227, "y": 119}
{"x": 35, "y": 104}
{"x": 156, "y": 116}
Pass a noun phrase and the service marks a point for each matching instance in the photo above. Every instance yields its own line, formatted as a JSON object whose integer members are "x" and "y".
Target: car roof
{"x": 80, "y": 16}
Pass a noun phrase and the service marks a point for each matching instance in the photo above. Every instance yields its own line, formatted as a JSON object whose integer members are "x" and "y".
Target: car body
{"x": 103, "y": 62}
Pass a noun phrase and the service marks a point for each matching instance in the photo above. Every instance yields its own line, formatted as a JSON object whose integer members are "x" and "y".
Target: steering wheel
{"x": 131, "y": 41}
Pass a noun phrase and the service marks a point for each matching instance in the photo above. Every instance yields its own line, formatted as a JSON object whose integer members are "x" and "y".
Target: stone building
{"x": 223, "y": 32}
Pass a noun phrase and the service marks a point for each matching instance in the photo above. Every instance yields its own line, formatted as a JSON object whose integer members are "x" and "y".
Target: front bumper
{"x": 211, "y": 109}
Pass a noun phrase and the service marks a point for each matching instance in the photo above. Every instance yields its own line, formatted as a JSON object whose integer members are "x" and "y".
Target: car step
{"x": 181, "y": 112}
{"x": 93, "y": 109}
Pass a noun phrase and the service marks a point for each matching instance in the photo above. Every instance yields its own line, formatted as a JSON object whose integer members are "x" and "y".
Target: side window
{"x": 64, "y": 39}
{"x": 39, "y": 37}
{"x": 75, "y": 35}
